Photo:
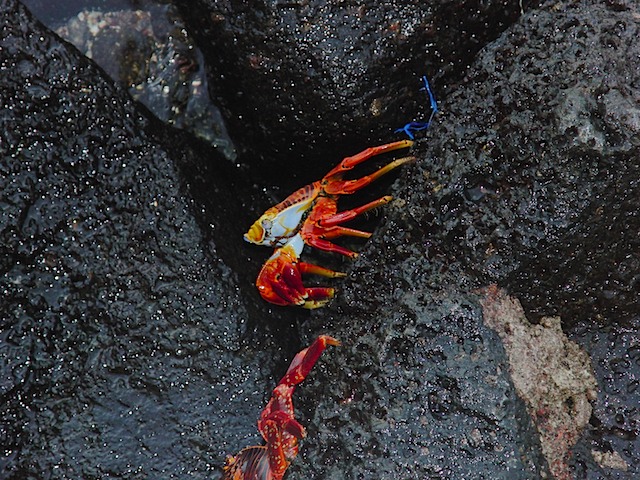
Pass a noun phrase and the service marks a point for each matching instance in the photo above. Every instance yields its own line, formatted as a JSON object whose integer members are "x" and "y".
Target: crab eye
{"x": 266, "y": 225}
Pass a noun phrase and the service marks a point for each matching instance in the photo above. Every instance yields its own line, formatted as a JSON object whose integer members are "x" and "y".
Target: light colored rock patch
{"x": 551, "y": 374}
{"x": 610, "y": 460}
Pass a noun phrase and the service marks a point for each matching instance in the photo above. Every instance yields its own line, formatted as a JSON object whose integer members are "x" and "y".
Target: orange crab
{"x": 310, "y": 216}
{"x": 277, "y": 424}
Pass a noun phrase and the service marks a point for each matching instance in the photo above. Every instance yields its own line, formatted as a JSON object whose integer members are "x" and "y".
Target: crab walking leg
{"x": 327, "y": 246}
{"x": 277, "y": 421}
{"x": 321, "y": 271}
{"x": 349, "y": 162}
{"x": 304, "y": 360}
{"x": 318, "y": 297}
{"x": 334, "y": 232}
{"x": 278, "y": 461}
{"x": 323, "y": 224}
{"x": 338, "y": 186}
{"x": 347, "y": 215}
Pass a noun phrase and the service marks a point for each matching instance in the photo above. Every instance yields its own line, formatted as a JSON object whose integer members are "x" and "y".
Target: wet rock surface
{"x": 423, "y": 392}
{"x": 609, "y": 448}
{"x": 299, "y": 80}
{"x": 527, "y": 179}
{"x": 144, "y": 46}
{"x": 133, "y": 343}
{"x": 122, "y": 352}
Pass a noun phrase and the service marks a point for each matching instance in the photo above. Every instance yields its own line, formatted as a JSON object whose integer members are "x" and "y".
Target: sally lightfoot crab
{"x": 310, "y": 216}
{"x": 277, "y": 424}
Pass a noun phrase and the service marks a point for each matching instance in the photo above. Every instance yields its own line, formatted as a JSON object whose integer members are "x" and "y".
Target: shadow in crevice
{"x": 225, "y": 199}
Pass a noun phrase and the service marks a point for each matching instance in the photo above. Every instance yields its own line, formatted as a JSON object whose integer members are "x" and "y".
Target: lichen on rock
{"x": 552, "y": 374}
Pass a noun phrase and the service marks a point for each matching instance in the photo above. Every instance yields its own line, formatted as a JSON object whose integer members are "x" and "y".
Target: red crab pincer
{"x": 277, "y": 424}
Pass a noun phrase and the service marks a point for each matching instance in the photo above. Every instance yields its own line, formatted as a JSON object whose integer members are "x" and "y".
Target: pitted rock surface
{"x": 135, "y": 345}
{"x": 528, "y": 179}
{"x": 301, "y": 80}
{"x": 122, "y": 352}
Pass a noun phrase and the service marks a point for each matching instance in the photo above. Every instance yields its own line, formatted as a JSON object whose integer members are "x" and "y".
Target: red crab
{"x": 277, "y": 424}
{"x": 310, "y": 216}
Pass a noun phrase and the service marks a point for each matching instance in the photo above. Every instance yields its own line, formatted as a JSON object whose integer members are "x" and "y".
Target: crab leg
{"x": 349, "y": 162}
{"x": 278, "y": 462}
{"x": 336, "y": 186}
{"x": 317, "y": 297}
{"x": 327, "y": 246}
{"x": 277, "y": 424}
{"x": 347, "y": 215}
{"x": 323, "y": 224}
{"x": 333, "y": 232}
{"x": 288, "y": 424}
{"x": 317, "y": 270}
{"x": 304, "y": 360}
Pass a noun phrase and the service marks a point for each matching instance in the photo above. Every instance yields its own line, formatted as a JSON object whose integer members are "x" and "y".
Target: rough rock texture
{"x": 135, "y": 346}
{"x": 531, "y": 167}
{"x": 122, "y": 352}
{"x": 609, "y": 449}
{"x": 424, "y": 392}
{"x": 149, "y": 51}
{"x": 550, "y": 373}
{"x": 592, "y": 268}
{"x": 300, "y": 80}
{"x": 530, "y": 148}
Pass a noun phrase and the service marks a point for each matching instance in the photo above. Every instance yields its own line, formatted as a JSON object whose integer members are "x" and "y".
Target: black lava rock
{"x": 528, "y": 179}
{"x": 133, "y": 344}
{"x": 299, "y": 81}
{"x": 125, "y": 346}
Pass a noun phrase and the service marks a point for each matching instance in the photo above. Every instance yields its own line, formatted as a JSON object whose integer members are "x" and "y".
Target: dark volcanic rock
{"x": 532, "y": 153}
{"x": 423, "y": 392}
{"x": 121, "y": 345}
{"x": 609, "y": 448}
{"x": 529, "y": 177}
{"x": 128, "y": 349}
{"x": 299, "y": 80}
{"x": 593, "y": 268}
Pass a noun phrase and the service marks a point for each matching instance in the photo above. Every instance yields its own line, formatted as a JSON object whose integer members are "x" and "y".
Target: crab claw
{"x": 304, "y": 361}
{"x": 280, "y": 279}
{"x": 277, "y": 424}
